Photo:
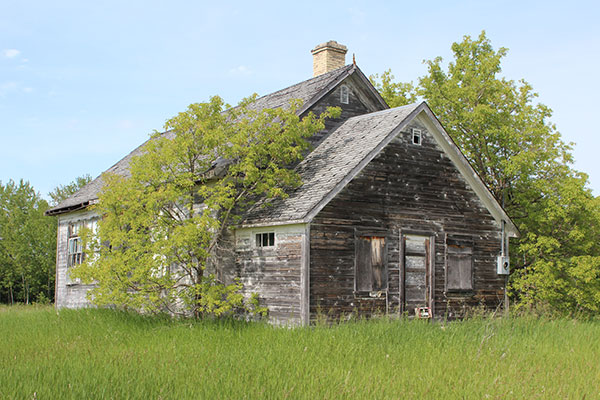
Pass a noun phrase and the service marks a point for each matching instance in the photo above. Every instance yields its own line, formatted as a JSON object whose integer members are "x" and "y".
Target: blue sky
{"x": 83, "y": 83}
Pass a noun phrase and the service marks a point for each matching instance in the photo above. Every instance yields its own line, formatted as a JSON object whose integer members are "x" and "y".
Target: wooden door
{"x": 416, "y": 277}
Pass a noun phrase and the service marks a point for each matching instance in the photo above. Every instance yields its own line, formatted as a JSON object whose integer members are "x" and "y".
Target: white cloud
{"x": 240, "y": 70}
{"x": 28, "y": 90}
{"x": 10, "y": 53}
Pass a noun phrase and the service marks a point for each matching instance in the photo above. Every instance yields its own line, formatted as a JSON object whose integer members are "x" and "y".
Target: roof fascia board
{"x": 271, "y": 223}
{"x": 325, "y": 90}
{"x": 371, "y": 88}
{"x": 362, "y": 164}
{"x": 428, "y": 118}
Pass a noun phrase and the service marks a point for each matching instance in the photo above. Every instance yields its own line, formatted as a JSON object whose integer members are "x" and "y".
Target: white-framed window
{"x": 344, "y": 94}
{"x": 416, "y": 136}
{"x": 75, "y": 249}
{"x": 265, "y": 239}
{"x": 75, "y": 254}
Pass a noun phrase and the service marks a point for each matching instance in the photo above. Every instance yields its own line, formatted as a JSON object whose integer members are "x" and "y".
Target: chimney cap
{"x": 330, "y": 45}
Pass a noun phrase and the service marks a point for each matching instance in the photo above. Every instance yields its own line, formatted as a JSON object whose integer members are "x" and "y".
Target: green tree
{"x": 166, "y": 222}
{"x": 522, "y": 158}
{"x": 27, "y": 245}
{"x": 61, "y": 192}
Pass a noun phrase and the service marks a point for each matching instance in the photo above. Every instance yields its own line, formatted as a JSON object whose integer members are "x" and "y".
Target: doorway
{"x": 416, "y": 275}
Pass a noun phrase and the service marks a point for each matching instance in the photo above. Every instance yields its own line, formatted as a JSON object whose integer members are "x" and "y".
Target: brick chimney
{"x": 328, "y": 56}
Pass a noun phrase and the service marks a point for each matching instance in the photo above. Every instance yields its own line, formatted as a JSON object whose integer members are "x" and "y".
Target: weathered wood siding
{"x": 359, "y": 103}
{"x": 69, "y": 293}
{"x": 406, "y": 189}
{"x": 275, "y": 273}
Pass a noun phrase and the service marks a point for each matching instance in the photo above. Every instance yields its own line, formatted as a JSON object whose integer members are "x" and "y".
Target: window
{"x": 75, "y": 251}
{"x": 75, "y": 255}
{"x": 371, "y": 264}
{"x": 459, "y": 267}
{"x": 416, "y": 136}
{"x": 265, "y": 239}
{"x": 344, "y": 94}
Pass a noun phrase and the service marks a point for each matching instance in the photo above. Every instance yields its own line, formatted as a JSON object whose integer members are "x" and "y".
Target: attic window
{"x": 416, "y": 136}
{"x": 344, "y": 95}
{"x": 265, "y": 239}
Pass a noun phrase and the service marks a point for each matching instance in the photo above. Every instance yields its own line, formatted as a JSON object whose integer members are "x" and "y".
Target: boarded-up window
{"x": 459, "y": 268}
{"x": 371, "y": 264}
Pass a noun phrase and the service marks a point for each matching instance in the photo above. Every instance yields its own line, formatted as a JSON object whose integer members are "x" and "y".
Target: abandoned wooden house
{"x": 390, "y": 218}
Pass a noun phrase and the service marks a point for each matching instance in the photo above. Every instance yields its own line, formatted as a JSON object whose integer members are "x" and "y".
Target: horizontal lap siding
{"x": 68, "y": 293}
{"x": 405, "y": 188}
{"x": 272, "y": 272}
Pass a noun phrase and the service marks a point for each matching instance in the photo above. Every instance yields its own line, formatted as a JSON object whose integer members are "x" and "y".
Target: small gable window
{"x": 344, "y": 94}
{"x": 266, "y": 239}
{"x": 416, "y": 136}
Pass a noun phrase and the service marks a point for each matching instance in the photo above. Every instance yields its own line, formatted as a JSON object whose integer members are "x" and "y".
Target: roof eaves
{"x": 370, "y": 87}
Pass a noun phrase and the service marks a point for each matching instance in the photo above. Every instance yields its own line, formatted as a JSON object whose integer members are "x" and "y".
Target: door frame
{"x": 429, "y": 272}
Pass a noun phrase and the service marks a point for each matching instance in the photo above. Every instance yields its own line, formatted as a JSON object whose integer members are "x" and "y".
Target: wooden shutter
{"x": 371, "y": 264}
{"x": 378, "y": 263}
{"x": 364, "y": 276}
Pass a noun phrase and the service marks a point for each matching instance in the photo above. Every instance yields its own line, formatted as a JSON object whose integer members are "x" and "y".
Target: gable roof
{"x": 309, "y": 91}
{"x": 346, "y": 151}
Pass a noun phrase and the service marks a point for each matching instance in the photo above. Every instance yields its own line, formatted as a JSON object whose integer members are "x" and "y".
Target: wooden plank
{"x": 364, "y": 276}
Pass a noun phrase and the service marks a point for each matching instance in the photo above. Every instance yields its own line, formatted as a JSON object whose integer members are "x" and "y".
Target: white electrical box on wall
{"x": 503, "y": 265}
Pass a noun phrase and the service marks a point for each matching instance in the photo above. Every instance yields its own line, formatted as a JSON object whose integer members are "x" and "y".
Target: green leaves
{"x": 522, "y": 158}
{"x": 27, "y": 245}
{"x": 162, "y": 229}
{"x": 61, "y": 192}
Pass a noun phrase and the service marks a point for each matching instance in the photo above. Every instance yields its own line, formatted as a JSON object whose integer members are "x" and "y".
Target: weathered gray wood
{"x": 405, "y": 188}
{"x": 364, "y": 277}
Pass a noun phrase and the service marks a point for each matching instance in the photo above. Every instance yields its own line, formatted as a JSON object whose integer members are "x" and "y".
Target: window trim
{"x": 358, "y": 234}
{"x": 417, "y": 133}
{"x": 433, "y": 239}
{"x": 344, "y": 94}
{"x": 73, "y": 236}
{"x": 78, "y": 256}
{"x": 465, "y": 247}
{"x": 262, "y": 235}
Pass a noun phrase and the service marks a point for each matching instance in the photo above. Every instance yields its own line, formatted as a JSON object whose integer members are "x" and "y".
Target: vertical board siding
{"x": 406, "y": 188}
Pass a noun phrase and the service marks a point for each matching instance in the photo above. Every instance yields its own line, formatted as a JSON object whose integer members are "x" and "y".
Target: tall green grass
{"x": 95, "y": 353}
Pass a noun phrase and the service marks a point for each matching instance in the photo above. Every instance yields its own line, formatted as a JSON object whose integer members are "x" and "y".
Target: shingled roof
{"x": 346, "y": 151}
{"x": 336, "y": 160}
{"x": 309, "y": 91}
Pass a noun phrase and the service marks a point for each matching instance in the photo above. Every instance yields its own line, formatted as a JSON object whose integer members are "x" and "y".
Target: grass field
{"x": 86, "y": 354}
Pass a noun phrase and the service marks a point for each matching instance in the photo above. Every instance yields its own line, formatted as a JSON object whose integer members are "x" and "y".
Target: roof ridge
{"x": 339, "y": 70}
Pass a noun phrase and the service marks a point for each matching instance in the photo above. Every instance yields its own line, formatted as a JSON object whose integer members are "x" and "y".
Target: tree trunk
{"x": 25, "y": 291}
